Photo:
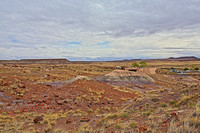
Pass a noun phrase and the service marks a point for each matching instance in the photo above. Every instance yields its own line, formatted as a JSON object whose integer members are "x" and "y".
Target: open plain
{"x": 97, "y": 97}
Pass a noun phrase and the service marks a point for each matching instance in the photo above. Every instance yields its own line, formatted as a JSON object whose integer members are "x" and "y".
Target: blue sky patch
{"x": 14, "y": 40}
{"x": 103, "y": 43}
{"x": 76, "y": 43}
{"x": 71, "y": 44}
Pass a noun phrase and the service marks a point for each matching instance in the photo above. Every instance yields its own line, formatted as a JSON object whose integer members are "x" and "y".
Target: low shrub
{"x": 147, "y": 113}
{"x": 172, "y": 102}
{"x": 184, "y": 91}
{"x": 184, "y": 100}
{"x": 117, "y": 127}
{"x": 133, "y": 125}
{"x": 125, "y": 115}
{"x": 154, "y": 99}
{"x": 185, "y": 69}
{"x": 163, "y": 105}
{"x": 112, "y": 116}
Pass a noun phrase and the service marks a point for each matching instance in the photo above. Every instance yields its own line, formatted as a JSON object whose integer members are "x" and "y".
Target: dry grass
{"x": 190, "y": 123}
{"x": 128, "y": 117}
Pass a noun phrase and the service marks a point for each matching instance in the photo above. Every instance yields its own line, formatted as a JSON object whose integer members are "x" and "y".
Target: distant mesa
{"x": 126, "y": 60}
{"x": 36, "y": 61}
{"x": 66, "y": 61}
{"x": 184, "y": 58}
{"x": 45, "y": 61}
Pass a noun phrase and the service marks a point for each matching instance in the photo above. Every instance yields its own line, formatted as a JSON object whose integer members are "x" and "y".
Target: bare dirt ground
{"x": 97, "y": 98}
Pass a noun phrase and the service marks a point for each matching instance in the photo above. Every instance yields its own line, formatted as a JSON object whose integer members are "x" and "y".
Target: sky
{"x": 99, "y": 29}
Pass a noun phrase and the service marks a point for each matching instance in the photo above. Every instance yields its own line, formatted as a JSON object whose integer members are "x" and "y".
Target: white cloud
{"x": 133, "y": 28}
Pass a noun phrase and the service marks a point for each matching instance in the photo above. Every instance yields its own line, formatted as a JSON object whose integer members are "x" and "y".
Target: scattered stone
{"x": 165, "y": 121}
{"x": 42, "y": 104}
{"x": 48, "y": 102}
{"x": 70, "y": 107}
{"x": 44, "y": 96}
{"x": 47, "y": 75}
{"x": 68, "y": 121}
{"x": 174, "y": 115}
{"x": 21, "y": 86}
{"x": 59, "y": 102}
{"x": 37, "y": 119}
{"x": 4, "y": 83}
{"x": 3, "y": 96}
{"x": 17, "y": 91}
{"x": 49, "y": 85}
{"x": 14, "y": 87}
{"x": 84, "y": 119}
{"x": 179, "y": 124}
{"x": 27, "y": 71}
{"x": 67, "y": 101}
{"x": 55, "y": 95}
{"x": 111, "y": 102}
{"x": 33, "y": 100}
{"x": 164, "y": 125}
{"x": 142, "y": 128}
{"x": 1, "y": 81}
{"x": 8, "y": 104}
{"x": 41, "y": 101}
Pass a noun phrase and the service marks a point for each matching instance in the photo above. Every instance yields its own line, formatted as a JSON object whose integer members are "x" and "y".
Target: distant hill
{"x": 184, "y": 58}
{"x": 126, "y": 60}
{"x": 65, "y": 61}
{"x": 36, "y": 61}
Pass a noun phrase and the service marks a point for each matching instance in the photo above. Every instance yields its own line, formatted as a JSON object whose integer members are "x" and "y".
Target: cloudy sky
{"x": 99, "y": 29}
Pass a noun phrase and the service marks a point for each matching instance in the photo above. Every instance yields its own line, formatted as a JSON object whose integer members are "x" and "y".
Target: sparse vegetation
{"x": 90, "y": 105}
{"x": 117, "y": 127}
{"x": 147, "y": 113}
{"x": 154, "y": 99}
{"x": 185, "y": 69}
{"x": 172, "y": 102}
{"x": 125, "y": 115}
{"x": 184, "y": 91}
{"x": 133, "y": 125}
{"x": 163, "y": 105}
{"x": 143, "y": 64}
{"x": 184, "y": 99}
{"x": 135, "y": 64}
